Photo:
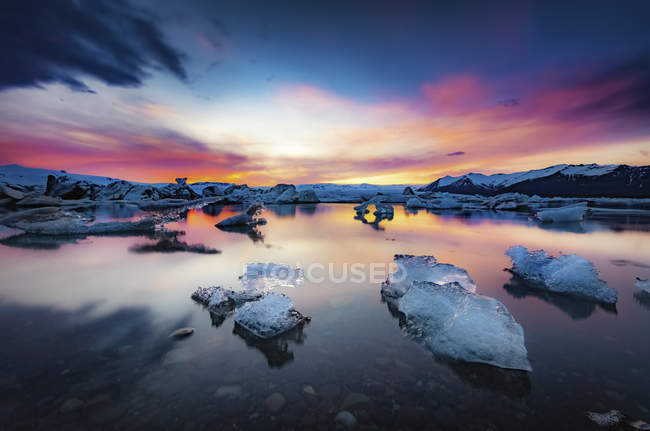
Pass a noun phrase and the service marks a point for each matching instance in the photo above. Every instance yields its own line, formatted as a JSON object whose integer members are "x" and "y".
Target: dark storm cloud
{"x": 456, "y": 153}
{"x": 64, "y": 41}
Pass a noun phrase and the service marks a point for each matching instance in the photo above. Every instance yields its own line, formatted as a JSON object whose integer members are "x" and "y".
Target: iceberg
{"x": 570, "y": 213}
{"x": 455, "y": 323}
{"x": 247, "y": 219}
{"x": 269, "y": 316}
{"x": 568, "y": 274}
{"x": 642, "y": 284}
{"x": 437, "y": 304}
{"x": 423, "y": 268}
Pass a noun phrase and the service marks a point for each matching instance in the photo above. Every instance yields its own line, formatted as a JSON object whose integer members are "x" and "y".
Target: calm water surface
{"x": 88, "y": 320}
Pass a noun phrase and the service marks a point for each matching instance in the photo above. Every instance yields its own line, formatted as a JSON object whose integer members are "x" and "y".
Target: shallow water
{"x": 88, "y": 319}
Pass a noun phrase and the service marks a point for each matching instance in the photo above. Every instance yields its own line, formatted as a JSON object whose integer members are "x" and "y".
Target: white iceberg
{"x": 570, "y": 213}
{"x": 642, "y": 284}
{"x": 423, "y": 268}
{"x": 455, "y": 323}
{"x": 416, "y": 203}
{"x": 448, "y": 203}
{"x": 569, "y": 274}
{"x": 270, "y": 316}
{"x": 267, "y": 276}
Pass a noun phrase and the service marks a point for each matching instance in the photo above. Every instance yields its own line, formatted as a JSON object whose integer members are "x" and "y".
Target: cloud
{"x": 626, "y": 89}
{"x": 456, "y": 153}
{"x": 65, "y": 41}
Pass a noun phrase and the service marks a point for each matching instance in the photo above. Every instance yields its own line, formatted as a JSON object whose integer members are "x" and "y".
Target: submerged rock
{"x": 270, "y": 316}
{"x": 229, "y": 391}
{"x": 275, "y": 402}
{"x": 571, "y": 213}
{"x": 568, "y": 274}
{"x": 455, "y": 323}
{"x": 71, "y": 405}
{"x": 346, "y": 419}
{"x": 423, "y": 268}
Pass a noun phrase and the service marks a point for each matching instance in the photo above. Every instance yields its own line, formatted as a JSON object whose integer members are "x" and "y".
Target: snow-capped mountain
{"x": 558, "y": 180}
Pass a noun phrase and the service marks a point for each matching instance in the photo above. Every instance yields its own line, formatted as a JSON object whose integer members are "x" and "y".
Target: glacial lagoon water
{"x": 88, "y": 320}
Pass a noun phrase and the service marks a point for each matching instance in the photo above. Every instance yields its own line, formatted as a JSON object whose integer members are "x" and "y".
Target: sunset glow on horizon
{"x": 345, "y": 95}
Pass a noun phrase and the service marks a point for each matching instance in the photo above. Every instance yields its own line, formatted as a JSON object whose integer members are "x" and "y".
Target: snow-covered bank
{"x": 569, "y": 274}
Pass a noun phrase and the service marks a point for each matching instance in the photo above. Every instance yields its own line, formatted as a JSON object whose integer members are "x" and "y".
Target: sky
{"x": 384, "y": 92}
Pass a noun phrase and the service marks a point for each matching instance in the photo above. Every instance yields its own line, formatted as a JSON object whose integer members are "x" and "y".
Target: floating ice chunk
{"x": 240, "y": 220}
{"x": 642, "y": 284}
{"x": 270, "y": 316}
{"x": 416, "y": 203}
{"x": 219, "y": 299}
{"x": 423, "y": 268}
{"x": 449, "y": 203}
{"x": 384, "y": 210}
{"x": 570, "y": 274}
{"x": 267, "y": 276}
{"x": 565, "y": 214}
{"x": 455, "y": 323}
{"x": 203, "y": 294}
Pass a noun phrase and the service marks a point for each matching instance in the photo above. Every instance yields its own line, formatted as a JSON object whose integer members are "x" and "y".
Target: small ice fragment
{"x": 270, "y": 316}
{"x": 203, "y": 294}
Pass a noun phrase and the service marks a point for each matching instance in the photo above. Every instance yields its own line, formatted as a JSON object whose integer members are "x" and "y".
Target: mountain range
{"x": 558, "y": 180}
